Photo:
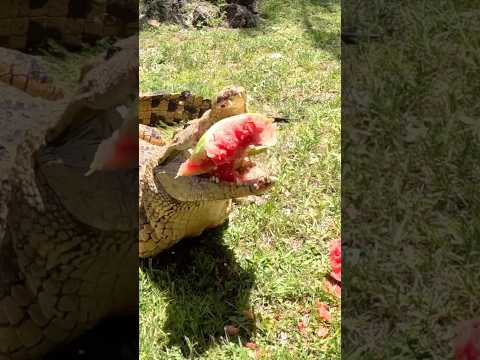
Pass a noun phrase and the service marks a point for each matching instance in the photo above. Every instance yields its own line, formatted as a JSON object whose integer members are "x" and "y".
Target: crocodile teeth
{"x": 215, "y": 179}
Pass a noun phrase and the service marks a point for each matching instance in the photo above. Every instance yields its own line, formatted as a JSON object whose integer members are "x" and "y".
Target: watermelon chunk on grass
{"x": 224, "y": 150}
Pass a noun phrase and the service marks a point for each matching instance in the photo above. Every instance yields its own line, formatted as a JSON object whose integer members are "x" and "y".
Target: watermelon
{"x": 120, "y": 151}
{"x": 224, "y": 150}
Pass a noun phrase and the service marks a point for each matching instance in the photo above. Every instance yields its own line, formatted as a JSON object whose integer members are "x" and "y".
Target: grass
{"x": 271, "y": 259}
{"x": 64, "y": 66}
{"x": 412, "y": 113}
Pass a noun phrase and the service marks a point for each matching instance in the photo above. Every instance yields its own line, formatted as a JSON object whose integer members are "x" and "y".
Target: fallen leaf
{"x": 301, "y": 327}
{"x": 303, "y": 324}
{"x": 336, "y": 276}
{"x": 251, "y": 345}
{"x": 249, "y": 314}
{"x": 153, "y": 22}
{"x": 333, "y": 287}
{"x": 323, "y": 311}
{"x": 231, "y": 330}
{"x": 259, "y": 353}
{"x": 322, "y": 331}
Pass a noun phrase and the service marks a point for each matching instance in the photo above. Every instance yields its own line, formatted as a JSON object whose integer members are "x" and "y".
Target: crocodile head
{"x": 231, "y": 100}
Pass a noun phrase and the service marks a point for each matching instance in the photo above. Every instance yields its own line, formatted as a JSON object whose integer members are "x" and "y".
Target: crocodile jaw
{"x": 198, "y": 188}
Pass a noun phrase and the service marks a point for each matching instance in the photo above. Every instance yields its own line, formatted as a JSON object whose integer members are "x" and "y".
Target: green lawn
{"x": 413, "y": 239}
{"x": 271, "y": 259}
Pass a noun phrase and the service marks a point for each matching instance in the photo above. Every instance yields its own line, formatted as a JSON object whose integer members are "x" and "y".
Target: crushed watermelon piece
{"x": 220, "y": 150}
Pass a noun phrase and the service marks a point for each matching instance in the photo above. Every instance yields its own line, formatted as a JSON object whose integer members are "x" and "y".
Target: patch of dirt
{"x": 200, "y": 13}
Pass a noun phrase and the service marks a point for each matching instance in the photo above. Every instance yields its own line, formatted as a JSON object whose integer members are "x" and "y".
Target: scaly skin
{"x": 159, "y": 108}
{"x": 175, "y": 208}
{"x": 232, "y": 100}
{"x": 92, "y": 21}
{"x": 150, "y": 135}
{"x": 66, "y": 261}
{"x": 164, "y": 220}
{"x": 27, "y": 74}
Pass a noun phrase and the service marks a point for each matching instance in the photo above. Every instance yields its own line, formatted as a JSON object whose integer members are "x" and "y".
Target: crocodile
{"x": 27, "y": 73}
{"x": 68, "y": 243}
{"x": 150, "y": 135}
{"x": 25, "y": 25}
{"x": 161, "y": 109}
{"x": 231, "y": 100}
{"x": 171, "y": 208}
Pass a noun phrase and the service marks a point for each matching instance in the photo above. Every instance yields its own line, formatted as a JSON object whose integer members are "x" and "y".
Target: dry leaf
{"x": 336, "y": 276}
{"x": 231, "y": 330}
{"x": 303, "y": 324}
{"x": 323, "y": 311}
{"x": 249, "y": 314}
{"x": 322, "y": 331}
{"x": 301, "y": 327}
{"x": 259, "y": 353}
{"x": 332, "y": 287}
{"x": 153, "y": 22}
{"x": 251, "y": 345}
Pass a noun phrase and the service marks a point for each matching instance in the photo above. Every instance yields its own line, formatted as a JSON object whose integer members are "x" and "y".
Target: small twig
{"x": 281, "y": 119}
{"x": 352, "y": 38}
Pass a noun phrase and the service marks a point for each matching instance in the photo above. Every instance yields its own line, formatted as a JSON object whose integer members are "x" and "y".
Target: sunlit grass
{"x": 272, "y": 256}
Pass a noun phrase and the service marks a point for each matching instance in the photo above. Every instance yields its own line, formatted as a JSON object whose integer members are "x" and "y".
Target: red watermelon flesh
{"x": 221, "y": 152}
{"x": 120, "y": 151}
{"x": 114, "y": 153}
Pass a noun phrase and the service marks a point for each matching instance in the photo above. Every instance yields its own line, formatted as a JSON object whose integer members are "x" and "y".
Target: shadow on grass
{"x": 326, "y": 40}
{"x": 207, "y": 290}
{"x": 308, "y": 15}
